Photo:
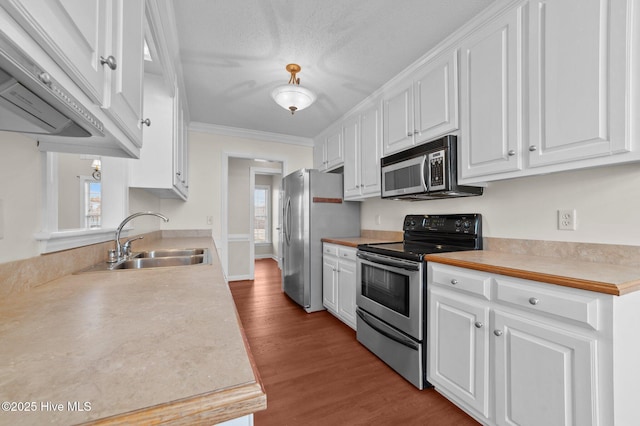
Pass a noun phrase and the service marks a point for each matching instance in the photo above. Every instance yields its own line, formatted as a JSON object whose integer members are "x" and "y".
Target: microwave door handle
{"x": 423, "y": 171}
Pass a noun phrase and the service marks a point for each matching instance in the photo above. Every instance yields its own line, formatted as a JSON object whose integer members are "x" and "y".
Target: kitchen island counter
{"x": 139, "y": 346}
{"x": 599, "y": 277}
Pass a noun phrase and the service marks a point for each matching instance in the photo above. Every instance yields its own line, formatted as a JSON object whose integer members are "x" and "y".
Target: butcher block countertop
{"x": 354, "y": 241}
{"x": 139, "y": 346}
{"x": 600, "y": 277}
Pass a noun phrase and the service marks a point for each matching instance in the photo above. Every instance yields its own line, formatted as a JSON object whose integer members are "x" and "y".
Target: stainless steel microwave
{"x": 424, "y": 172}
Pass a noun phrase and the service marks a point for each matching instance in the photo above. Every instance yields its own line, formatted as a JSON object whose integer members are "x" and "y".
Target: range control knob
{"x": 458, "y": 223}
{"x": 466, "y": 224}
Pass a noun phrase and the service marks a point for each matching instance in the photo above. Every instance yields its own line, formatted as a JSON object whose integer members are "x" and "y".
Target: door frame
{"x": 223, "y": 245}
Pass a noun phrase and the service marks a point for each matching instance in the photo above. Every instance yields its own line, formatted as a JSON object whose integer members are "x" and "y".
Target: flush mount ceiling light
{"x": 292, "y": 96}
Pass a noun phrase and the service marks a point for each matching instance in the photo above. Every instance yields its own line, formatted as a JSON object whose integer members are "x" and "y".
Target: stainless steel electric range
{"x": 391, "y": 288}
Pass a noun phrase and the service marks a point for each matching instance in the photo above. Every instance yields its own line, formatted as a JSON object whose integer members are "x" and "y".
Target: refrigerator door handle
{"x": 287, "y": 221}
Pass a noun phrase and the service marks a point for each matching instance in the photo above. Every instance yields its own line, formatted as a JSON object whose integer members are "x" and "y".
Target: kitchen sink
{"x": 160, "y": 258}
{"x": 159, "y": 262}
{"x": 171, "y": 253}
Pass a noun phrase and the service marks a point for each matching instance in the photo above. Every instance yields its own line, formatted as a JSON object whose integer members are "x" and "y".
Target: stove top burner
{"x": 428, "y": 234}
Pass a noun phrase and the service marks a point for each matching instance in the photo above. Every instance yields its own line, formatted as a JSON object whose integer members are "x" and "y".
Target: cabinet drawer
{"x": 330, "y": 249}
{"x": 455, "y": 278}
{"x": 347, "y": 253}
{"x": 576, "y": 305}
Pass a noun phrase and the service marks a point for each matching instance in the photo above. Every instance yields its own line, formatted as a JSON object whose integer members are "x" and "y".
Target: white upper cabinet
{"x": 98, "y": 43}
{"x": 577, "y": 79}
{"x": 362, "y": 146}
{"x": 425, "y": 108}
{"x": 125, "y": 87}
{"x": 164, "y": 162}
{"x": 490, "y": 80}
{"x": 329, "y": 150}
{"x": 548, "y": 86}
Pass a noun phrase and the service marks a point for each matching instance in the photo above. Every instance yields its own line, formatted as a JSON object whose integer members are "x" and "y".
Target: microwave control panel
{"x": 437, "y": 162}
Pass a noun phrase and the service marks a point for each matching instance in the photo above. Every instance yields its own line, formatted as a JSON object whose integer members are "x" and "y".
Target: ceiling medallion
{"x": 292, "y": 96}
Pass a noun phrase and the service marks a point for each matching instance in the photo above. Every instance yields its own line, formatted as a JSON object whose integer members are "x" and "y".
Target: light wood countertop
{"x": 599, "y": 277}
{"x": 140, "y": 346}
{"x": 353, "y": 241}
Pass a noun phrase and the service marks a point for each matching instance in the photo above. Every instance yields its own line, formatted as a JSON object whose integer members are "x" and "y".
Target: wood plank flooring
{"x": 316, "y": 373}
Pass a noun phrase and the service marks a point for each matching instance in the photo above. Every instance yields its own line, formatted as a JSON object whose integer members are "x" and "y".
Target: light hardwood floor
{"x": 316, "y": 373}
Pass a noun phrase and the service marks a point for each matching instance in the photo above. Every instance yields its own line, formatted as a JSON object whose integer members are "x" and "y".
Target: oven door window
{"x": 388, "y": 288}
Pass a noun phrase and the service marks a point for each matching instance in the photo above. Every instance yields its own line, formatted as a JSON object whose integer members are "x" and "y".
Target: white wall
{"x": 607, "y": 201}
{"x": 206, "y": 151}
{"x": 20, "y": 196}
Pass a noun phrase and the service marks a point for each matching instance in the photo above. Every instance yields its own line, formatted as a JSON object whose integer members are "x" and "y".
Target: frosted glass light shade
{"x": 293, "y": 97}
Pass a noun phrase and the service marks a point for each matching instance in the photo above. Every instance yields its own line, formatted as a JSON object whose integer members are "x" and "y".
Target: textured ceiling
{"x": 234, "y": 53}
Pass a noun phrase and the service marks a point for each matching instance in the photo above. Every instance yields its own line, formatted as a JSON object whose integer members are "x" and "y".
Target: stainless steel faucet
{"x": 120, "y": 253}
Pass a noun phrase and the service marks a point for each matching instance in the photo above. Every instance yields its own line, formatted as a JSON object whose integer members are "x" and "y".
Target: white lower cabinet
{"x": 339, "y": 282}
{"x": 511, "y": 351}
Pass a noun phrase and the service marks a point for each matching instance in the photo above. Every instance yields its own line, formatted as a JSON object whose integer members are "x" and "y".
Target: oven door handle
{"x": 414, "y": 266}
{"x": 403, "y": 341}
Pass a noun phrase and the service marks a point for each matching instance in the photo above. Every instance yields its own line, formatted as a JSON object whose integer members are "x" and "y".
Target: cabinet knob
{"x": 454, "y": 281}
{"x": 178, "y": 174}
{"x": 110, "y": 61}
{"x": 478, "y": 324}
{"x": 45, "y": 78}
{"x": 146, "y": 122}
{"x": 497, "y": 332}
{"x": 533, "y": 300}
{"x": 409, "y": 134}
{"x": 533, "y": 148}
{"x": 512, "y": 152}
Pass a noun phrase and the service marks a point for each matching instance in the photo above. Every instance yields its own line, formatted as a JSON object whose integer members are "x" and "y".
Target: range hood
{"x": 31, "y": 101}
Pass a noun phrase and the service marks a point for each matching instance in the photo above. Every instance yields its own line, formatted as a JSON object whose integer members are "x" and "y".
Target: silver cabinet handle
{"x": 478, "y": 324}
{"x": 512, "y": 152}
{"x": 533, "y": 148}
{"x": 533, "y": 300}
{"x": 454, "y": 281}
{"x": 110, "y": 61}
{"x": 497, "y": 332}
{"x": 146, "y": 122}
{"x": 409, "y": 134}
{"x": 45, "y": 78}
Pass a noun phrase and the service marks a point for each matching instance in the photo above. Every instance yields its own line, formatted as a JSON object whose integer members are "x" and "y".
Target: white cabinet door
{"x": 334, "y": 149}
{"x": 74, "y": 33}
{"x": 347, "y": 292}
{"x": 370, "y": 152}
{"x": 124, "y": 103}
{"x": 491, "y": 106}
{"x": 352, "y": 166}
{"x": 319, "y": 156}
{"x": 544, "y": 375}
{"x": 577, "y": 79}
{"x": 436, "y": 98}
{"x": 398, "y": 121}
{"x": 458, "y": 348}
{"x": 329, "y": 282}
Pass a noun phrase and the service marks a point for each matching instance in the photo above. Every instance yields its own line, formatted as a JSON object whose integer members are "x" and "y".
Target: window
{"x": 262, "y": 214}
{"x": 92, "y": 204}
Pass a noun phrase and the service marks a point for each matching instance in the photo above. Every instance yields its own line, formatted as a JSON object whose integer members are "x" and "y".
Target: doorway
{"x": 250, "y": 181}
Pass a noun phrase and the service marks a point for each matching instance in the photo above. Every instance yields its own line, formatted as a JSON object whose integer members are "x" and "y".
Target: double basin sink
{"x": 156, "y": 259}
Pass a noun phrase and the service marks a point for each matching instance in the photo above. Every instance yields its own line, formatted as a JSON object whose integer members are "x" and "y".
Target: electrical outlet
{"x": 209, "y": 220}
{"x": 567, "y": 219}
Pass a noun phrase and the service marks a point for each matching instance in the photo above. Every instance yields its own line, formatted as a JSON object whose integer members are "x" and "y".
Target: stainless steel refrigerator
{"x": 313, "y": 208}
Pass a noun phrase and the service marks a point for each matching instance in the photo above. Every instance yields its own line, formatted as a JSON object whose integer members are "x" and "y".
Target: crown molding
{"x": 250, "y": 134}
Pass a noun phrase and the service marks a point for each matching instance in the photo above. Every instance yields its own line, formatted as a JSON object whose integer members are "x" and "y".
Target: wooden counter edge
{"x": 212, "y": 408}
{"x": 582, "y": 284}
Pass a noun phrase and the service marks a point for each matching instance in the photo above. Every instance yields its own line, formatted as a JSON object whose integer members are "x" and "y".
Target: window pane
{"x": 261, "y": 214}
